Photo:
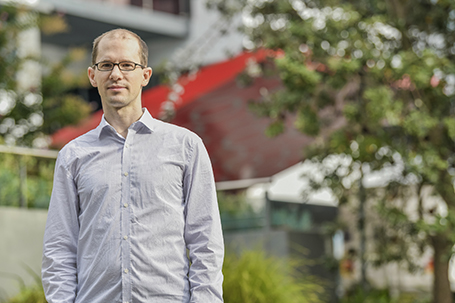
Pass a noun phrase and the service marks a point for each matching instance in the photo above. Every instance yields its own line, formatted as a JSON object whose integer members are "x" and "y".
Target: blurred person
{"x": 133, "y": 215}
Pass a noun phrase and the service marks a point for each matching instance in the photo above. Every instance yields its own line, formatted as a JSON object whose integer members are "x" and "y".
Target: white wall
{"x": 21, "y": 238}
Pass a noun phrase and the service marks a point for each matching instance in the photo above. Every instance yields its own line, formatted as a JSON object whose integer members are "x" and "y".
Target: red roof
{"x": 235, "y": 137}
{"x": 213, "y": 105}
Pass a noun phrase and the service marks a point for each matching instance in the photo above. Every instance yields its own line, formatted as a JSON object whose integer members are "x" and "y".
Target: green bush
{"x": 357, "y": 295}
{"x": 253, "y": 277}
{"x": 38, "y": 181}
{"x": 33, "y": 294}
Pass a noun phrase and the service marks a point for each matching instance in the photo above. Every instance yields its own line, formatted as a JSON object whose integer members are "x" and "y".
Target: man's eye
{"x": 127, "y": 65}
{"x": 105, "y": 65}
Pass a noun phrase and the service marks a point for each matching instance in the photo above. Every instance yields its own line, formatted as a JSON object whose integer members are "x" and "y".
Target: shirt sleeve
{"x": 59, "y": 263}
{"x": 203, "y": 234}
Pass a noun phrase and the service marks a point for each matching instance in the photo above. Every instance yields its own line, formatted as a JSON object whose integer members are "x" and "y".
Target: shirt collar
{"x": 146, "y": 120}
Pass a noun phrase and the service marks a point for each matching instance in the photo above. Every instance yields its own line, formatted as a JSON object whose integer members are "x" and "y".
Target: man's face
{"x": 118, "y": 88}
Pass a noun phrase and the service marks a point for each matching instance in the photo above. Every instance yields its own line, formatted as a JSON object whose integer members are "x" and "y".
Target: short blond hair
{"x": 122, "y": 34}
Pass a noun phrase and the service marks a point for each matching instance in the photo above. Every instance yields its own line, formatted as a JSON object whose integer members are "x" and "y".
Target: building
{"x": 169, "y": 27}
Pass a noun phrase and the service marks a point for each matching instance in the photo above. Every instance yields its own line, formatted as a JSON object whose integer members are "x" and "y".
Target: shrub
{"x": 253, "y": 277}
{"x": 357, "y": 295}
{"x": 32, "y": 294}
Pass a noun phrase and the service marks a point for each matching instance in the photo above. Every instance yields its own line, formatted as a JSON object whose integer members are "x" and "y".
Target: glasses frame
{"x": 118, "y": 64}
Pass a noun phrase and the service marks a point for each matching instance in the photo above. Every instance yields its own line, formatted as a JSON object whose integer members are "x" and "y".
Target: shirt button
{"x": 125, "y": 205}
{"x": 126, "y": 146}
{"x": 126, "y": 270}
{"x": 125, "y": 174}
{"x": 125, "y": 237}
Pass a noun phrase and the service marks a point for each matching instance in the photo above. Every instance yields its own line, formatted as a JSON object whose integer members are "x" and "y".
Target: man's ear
{"x": 147, "y": 74}
{"x": 91, "y": 76}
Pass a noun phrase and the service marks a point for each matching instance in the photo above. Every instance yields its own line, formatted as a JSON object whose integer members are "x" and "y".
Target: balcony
{"x": 151, "y": 19}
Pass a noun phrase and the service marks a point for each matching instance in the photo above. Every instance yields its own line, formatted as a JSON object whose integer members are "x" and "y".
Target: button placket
{"x": 125, "y": 219}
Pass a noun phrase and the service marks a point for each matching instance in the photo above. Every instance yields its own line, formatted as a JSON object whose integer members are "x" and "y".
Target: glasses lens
{"x": 127, "y": 65}
{"x": 105, "y": 65}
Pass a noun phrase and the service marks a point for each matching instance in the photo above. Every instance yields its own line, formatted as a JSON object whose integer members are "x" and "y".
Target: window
{"x": 175, "y": 7}
{"x": 168, "y": 6}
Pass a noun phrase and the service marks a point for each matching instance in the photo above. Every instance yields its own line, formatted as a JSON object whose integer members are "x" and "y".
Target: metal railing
{"x": 16, "y": 176}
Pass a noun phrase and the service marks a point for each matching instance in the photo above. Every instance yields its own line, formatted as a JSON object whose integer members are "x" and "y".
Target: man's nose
{"x": 116, "y": 72}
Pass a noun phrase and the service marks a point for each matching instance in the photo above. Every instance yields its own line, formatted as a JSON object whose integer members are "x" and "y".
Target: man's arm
{"x": 203, "y": 234}
{"x": 59, "y": 266}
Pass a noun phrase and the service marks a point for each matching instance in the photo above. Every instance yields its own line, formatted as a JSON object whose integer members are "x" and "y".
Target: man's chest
{"x": 143, "y": 177}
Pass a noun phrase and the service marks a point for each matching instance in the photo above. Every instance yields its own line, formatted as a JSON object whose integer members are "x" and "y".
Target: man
{"x": 133, "y": 215}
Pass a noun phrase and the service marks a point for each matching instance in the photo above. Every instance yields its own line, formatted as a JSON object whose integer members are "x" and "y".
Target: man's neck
{"x": 122, "y": 118}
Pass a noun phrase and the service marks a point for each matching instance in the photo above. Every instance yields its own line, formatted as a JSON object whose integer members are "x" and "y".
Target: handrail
{"x": 26, "y": 151}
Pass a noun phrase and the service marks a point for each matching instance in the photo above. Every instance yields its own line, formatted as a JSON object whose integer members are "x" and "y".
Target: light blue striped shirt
{"x": 133, "y": 220}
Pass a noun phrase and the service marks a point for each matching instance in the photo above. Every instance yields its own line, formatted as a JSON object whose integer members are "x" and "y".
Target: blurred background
{"x": 330, "y": 126}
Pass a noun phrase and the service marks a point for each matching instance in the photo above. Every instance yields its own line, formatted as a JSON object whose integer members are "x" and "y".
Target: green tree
{"x": 61, "y": 107}
{"x": 31, "y": 111}
{"x": 14, "y": 112}
{"x": 374, "y": 82}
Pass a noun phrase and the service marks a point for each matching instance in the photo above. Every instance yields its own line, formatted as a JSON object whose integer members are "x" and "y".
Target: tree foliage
{"x": 373, "y": 82}
{"x": 30, "y": 111}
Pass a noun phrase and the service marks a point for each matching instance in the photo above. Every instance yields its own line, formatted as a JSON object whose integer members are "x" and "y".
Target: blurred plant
{"x": 28, "y": 293}
{"x": 19, "y": 108}
{"x": 52, "y": 24}
{"x": 39, "y": 181}
{"x": 60, "y": 106}
{"x": 35, "y": 99}
{"x": 358, "y": 295}
{"x": 374, "y": 83}
{"x": 233, "y": 204}
{"x": 238, "y": 213}
{"x": 29, "y": 114}
{"x": 31, "y": 294}
{"x": 253, "y": 277}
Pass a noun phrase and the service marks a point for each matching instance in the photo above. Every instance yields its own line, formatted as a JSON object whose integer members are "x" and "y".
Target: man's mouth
{"x": 116, "y": 87}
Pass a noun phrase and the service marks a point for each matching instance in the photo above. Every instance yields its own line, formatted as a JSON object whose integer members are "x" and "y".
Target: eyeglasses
{"x": 125, "y": 66}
